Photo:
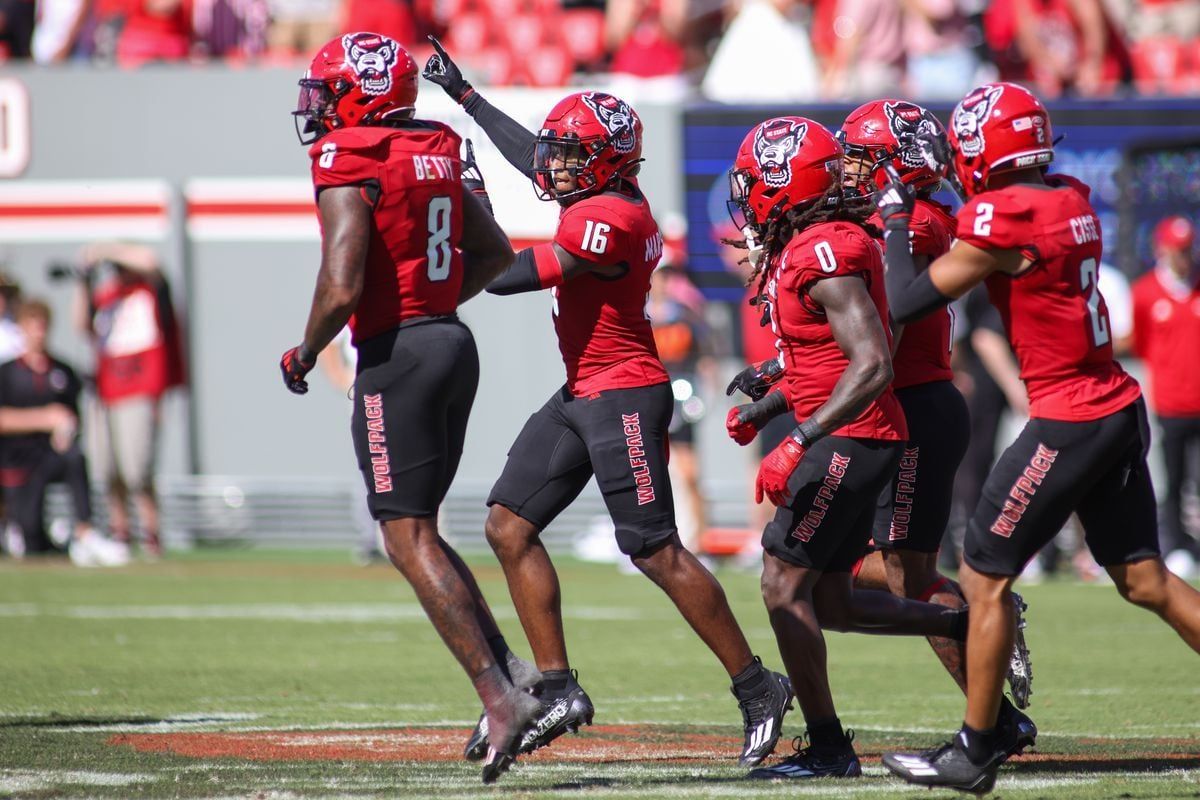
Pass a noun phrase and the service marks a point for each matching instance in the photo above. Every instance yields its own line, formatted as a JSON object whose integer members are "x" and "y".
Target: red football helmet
{"x": 355, "y": 79}
{"x": 588, "y": 140}
{"x": 885, "y": 131}
{"x": 998, "y": 127}
{"x": 782, "y": 163}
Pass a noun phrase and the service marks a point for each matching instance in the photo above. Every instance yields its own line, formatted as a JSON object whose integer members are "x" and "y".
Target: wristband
{"x": 808, "y": 433}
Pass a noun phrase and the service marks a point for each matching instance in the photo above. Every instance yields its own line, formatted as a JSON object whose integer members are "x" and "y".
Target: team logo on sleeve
{"x": 969, "y": 117}
{"x": 776, "y": 143}
{"x": 617, "y": 118}
{"x": 372, "y": 58}
{"x": 907, "y": 122}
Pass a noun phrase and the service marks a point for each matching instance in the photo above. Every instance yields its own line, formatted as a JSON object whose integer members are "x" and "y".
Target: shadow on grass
{"x": 1085, "y": 763}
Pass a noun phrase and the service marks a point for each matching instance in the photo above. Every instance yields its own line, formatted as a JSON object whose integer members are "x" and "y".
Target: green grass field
{"x": 277, "y": 674}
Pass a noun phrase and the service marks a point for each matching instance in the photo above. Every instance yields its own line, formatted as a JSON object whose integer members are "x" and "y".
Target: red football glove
{"x": 295, "y": 364}
{"x": 776, "y": 469}
{"x": 740, "y": 430}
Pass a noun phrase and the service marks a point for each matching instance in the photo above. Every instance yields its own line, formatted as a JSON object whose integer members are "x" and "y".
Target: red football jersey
{"x": 413, "y": 265}
{"x": 1053, "y": 312}
{"x": 923, "y": 355}
{"x": 812, "y": 360}
{"x": 1166, "y": 334}
{"x": 603, "y": 331}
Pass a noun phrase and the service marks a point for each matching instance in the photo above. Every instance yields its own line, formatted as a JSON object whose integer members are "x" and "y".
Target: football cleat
{"x": 762, "y": 718}
{"x": 1016, "y": 731}
{"x": 814, "y": 761}
{"x": 513, "y": 722}
{"x": 525, "y": 676}
{"x": 561, "y": 712}
{"x": 947, "y": 766}
{"x": 1020, "y": 667}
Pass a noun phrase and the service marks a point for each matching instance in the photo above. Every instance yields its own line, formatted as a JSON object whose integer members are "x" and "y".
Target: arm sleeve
{"x": 511, "y": 138}
{"x": 911, "y": 295}
{"x": 533, "y": 269}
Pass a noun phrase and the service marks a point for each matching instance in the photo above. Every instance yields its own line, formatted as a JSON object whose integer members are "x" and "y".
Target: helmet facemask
{"x": 316, "y": 109}
{"x": 738, "y": 204}
{"x": 558, "y": 162}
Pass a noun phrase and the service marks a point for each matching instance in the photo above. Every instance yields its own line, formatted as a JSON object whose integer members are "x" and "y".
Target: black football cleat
{"x": 947, "y": 766}
{"x": 1016, "y": 731}
{"x": 814, "y": 762}
{"x": 762, "y": 718}
{"x": 562, "y": 711}
{"x": 1020, "y": 667}
{"x": 477, "y": 744}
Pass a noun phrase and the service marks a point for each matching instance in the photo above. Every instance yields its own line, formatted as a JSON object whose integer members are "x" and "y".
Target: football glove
{"x": 745, "y": 421}
{"x": 295, "y": 364}
{"x": 775, "y": 471}
{"x": 895, "y": 202}
{"x": 935, "y": 150}
{"x": 472, "y": 178}
{"x": 757, "y": 379}
{"x": 442, "y": 70}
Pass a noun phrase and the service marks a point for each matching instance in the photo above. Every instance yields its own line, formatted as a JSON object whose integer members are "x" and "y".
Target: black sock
{"x": 749, "y": 681}
{"x": 980, "y": 745}
{"x": 958, "y": 631}
{"x": 826, "y": 733}
{"x": 555, "y": 680}
{"x": 500, "y": 651}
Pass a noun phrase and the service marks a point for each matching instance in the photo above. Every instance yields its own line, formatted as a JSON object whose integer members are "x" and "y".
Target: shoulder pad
{"x": 592, "y": 230}
{"x": 832, "y": 249}
{"x": 996, "y": 220}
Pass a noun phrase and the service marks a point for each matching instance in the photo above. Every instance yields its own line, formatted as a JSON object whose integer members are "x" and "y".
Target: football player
{"x": 819, "y": 275}
{"x": 405, "y": 240}
{"x": 1036, "y": 242}
{"x": 915, "y": 507}
{"x": 610, "y": 419}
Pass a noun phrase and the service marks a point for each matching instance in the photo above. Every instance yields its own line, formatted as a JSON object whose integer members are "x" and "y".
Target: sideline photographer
{"x": 124, "y": 304}
{"x": 39, "y": 421}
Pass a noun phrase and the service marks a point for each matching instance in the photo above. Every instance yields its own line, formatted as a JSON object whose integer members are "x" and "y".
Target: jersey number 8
{"x": 438, "y": 252}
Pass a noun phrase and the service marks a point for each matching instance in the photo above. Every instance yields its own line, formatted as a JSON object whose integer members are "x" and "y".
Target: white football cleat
{"x": 94, "y": 550}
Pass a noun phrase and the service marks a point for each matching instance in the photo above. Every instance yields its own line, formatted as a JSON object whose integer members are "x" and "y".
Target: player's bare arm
{"x": 485, "y": 248}
{"x": 856, "y": 328}
{"x": 346, "y": 221}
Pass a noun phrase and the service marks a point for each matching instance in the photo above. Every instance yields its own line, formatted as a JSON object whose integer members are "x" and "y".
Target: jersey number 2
{"x": 1089, "y": 282}
{"x": 438, "y": 252}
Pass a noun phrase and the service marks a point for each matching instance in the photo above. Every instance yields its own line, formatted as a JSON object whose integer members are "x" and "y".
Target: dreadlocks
{"x": 829, "y": 207}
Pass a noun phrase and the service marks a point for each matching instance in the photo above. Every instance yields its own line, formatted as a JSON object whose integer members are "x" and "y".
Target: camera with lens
{"x": 58, "y": 271}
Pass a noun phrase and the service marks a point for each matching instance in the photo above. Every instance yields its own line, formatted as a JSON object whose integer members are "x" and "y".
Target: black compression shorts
{"x": 619, "y": 435}
{"x": 1096, "y": 469}
{"x": 412, "y": 398}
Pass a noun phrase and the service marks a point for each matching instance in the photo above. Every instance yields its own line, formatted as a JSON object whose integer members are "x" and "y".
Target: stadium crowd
{"x": 834, "y": 49}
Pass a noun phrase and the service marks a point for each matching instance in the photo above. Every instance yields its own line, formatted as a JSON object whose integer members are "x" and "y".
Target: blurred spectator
{"x": 765, "y": 56}
{"x": 868, "y": 53}
{"x": 1060, "y": 45}
{"x": 299, "y": 27}
{"x": 230, "y": 28}
{"x": 940, "y": 43}
{"x": 39, "y": 419}
{"x": 675, "y": 308}
{"x": 392, "y": 18}
{"x": 154, "y": 30}
{"x": 138, "y": 357}
{"x": 59, "y": 24}
{"x": 1179, "y": 18}
{"x": 644, "y": 36}
{"x": 1166, "y": 335}
{"x": 12, "y": 340}
{"x": 16, "y": 28}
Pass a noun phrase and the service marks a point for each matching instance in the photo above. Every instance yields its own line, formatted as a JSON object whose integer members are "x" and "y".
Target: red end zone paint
{"x": 597, "y": 744}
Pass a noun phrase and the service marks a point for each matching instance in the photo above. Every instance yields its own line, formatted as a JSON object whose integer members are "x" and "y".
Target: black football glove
{"x": 895, "y": 202}
{"x": 442, "y": 70}
{"x": 295, "y": 364}
{"x": 472, "y": 178}
{"x": 757, "y": 379}
{"x": 935, "y": 150}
